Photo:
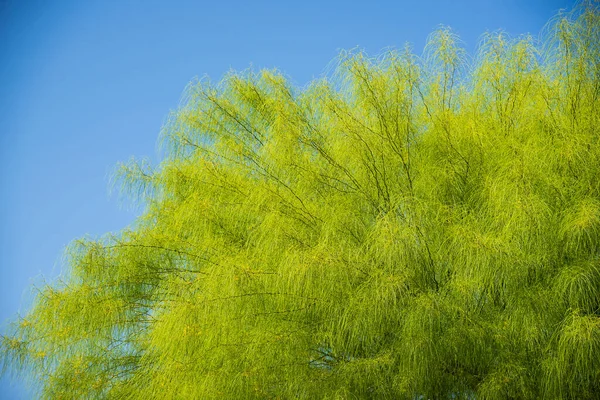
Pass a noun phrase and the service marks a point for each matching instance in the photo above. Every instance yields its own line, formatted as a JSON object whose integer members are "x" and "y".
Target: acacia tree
{"x": 404, "y": 228}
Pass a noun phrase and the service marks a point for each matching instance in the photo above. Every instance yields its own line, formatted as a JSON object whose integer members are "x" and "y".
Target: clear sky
{"x": 87, "y": 83}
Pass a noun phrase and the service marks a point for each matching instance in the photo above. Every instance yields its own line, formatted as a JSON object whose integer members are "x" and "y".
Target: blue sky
{"x": 85, "y": 84}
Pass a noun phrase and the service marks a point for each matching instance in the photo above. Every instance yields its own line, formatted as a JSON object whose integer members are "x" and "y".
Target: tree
{"x": 404, "y": 228}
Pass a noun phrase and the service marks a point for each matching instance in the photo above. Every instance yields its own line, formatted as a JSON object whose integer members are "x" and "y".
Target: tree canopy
{"x": 405, "y": 227}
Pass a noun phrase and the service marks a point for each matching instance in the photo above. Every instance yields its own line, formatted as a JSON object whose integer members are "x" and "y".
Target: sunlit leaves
{"x": 404, "y": 228}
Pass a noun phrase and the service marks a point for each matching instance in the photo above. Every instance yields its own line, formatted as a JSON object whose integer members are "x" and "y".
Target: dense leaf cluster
{"x": 408, "y": 227}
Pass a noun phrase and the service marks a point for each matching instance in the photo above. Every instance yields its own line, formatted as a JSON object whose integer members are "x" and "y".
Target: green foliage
{"x": 404, "y": 228}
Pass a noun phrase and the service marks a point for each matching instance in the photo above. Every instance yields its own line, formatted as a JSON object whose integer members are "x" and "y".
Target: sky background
{"x": 85, "y": 84}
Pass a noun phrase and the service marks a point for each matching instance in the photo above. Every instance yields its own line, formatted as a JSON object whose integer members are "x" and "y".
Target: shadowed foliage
{"x": 407, "y": 227}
